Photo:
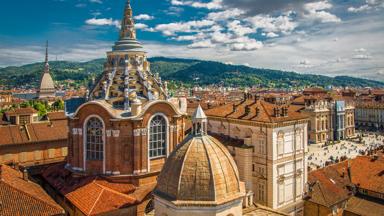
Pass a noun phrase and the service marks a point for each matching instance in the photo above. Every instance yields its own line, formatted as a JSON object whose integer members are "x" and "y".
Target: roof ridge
{"x": 265, "y": 110}
{"x": 111, "y": 190}
{"x": 94, "y": 204}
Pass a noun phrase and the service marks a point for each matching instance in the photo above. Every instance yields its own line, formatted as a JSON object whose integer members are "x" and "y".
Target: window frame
{"x": 166, "y": 133}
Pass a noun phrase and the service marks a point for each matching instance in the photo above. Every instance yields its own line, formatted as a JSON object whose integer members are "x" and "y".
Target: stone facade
{"x": 330, "y": 120}
{"x": 370, "y": 114}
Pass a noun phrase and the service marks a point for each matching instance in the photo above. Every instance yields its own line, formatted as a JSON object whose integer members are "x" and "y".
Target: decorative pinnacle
{"x": 46, "y": 52}
{"x": 46, "y": 68}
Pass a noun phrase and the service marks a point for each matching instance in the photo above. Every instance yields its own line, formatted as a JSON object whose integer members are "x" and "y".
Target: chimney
{"x": 234, "y": 108}
{"x": 247, "y": 110}
{"x": 257, "y": 111}
{"x": 349, "y": 169}
{"x": 25, "y": 174}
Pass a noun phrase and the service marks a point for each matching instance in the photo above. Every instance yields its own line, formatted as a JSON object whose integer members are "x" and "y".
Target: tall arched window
{"x": 157, "y": 137}
{"x": 94, "y": 142}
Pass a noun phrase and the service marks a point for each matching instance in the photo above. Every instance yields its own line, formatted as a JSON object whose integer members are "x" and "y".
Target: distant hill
{"x": 187, "y": 71}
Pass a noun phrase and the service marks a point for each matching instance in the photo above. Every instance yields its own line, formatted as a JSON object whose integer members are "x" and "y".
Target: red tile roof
{"x": 32, "y": 133}
{"x": 21, "y": 197}
{"x": 94, "y": 195}
{"x": 21, "y": 111}
{"x": 265, "y": 112}
{"x": 54, "y": 116}
{"x": 330, "y": 184}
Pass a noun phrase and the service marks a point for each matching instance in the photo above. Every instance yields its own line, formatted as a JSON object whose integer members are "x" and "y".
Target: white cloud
{"x": 239, "y": 29}
{"x": 141, "y": 26}
{"x": 362, "y": 57}
{"x": 226, "y": 14}
{"x": 144, "y": 17}
{"x": 186, "y": 27}
{"x": 271, "y": 35}
{"x": 201, "y": 44}
{"x": 103, "y": 22}
{"x": 316, "y": 11}
{"x": 214, "y": 4}
{"x": 283, "y": 24}
{"x": 245, "y": 44}
{"x": 96, "y": 1}
{"x": 360, "y": 50}
{"x": 369, "y": 4}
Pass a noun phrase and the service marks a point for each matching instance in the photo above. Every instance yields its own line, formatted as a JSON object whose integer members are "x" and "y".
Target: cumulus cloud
{"x": 256, "y": 7}
{"x": 144, "y": 17}
{"x": 316, "y": 11}
{"x": 214, "y": 4}
{"x": 268, "y": 23}
{"x": 201, "y": 44}
{"x": 171, "y": 29}
{"x": 226, "y": 14}
{"x": 103, "y": 22}
{"x": 141, "y": 26}
{"x": 369, "y": 5}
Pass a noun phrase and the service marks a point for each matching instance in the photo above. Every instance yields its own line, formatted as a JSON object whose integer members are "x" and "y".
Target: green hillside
{"x": 186, "y": 71}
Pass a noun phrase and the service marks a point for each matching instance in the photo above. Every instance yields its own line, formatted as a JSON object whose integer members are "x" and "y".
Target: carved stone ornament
{"x": 136, "y": 132}
{"x": 144, "y": 131}
{"x": 116, "y": 133}
{"x": 108, "y": 132}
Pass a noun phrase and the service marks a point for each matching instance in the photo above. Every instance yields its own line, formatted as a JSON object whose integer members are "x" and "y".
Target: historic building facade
{"x": 331, "y": 119}
{"x": 28, "y": 142}
{"x": 47, "y": 86}
{"x": 370, "y": 115}
{"x": 271, "y": 157}
{"x": 122, "y": 134}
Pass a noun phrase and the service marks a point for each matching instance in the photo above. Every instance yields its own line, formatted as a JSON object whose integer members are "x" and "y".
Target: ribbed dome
{"x": 200, "y": 171}
{"x": 47, "y": 82}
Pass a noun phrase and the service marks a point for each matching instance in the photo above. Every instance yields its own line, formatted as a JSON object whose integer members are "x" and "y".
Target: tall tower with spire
{"x": 47, "y": 86}
{"x": 127, "y": 78}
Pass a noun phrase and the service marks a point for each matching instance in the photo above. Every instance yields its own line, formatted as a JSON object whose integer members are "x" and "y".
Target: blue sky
{"x": 330, "y": 37}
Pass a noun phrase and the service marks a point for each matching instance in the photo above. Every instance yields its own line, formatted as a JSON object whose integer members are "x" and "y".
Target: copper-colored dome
{"x": 200, "y": 171}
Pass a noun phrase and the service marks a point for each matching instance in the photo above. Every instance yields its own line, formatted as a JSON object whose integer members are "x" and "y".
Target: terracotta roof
{"x": 21, "y": 111}
{"x": 54, "y": 116}
{"x": 368, "y": 173}
{"x": 199, "y": 172}
{"x": 94, "y": 195}
{"x": 259, "y": 210}
{"x": 329, "y": 184}
{"x": 32, "y": 133}
{"x": 21, "y": 197}
{"x": 360, "y": 206}
{"x": 265, "y": 112}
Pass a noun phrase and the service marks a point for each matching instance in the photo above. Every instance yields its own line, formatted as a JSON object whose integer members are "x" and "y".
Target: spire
{"x": 199, "y": 121}
{"x": 128, "y": 24}
{"x": 127, "y": 40}
{"x": 46, "y": 68}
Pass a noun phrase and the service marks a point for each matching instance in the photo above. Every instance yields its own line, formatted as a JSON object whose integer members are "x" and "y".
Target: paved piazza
{"x": 318, "y": 155}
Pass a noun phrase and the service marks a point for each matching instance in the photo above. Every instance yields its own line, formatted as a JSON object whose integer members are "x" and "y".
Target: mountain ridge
{"x": 179, "y": 70}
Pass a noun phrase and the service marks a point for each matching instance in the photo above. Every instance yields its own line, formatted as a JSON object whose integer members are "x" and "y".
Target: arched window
{"x": 94, "y": 142}
{"x": 157, "y": 137}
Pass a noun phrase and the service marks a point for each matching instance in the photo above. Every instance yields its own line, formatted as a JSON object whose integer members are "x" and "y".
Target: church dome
{"x": 200, "y": 172}
{"x": 47, "y": 82}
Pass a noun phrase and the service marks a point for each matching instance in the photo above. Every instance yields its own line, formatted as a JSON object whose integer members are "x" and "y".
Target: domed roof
{"x": 47, "y": 82}
{"x": 200, "y": 171}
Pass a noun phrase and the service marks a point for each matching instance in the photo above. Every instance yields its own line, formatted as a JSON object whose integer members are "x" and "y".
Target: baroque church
{"x": 120, "y": 137}
{"x": 128, "y": 154}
